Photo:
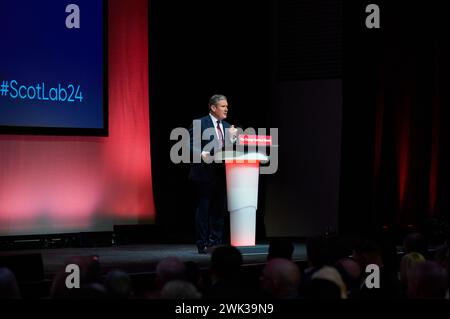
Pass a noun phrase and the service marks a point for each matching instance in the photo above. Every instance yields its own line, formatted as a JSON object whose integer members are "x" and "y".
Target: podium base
{"x": 243, "y": 226}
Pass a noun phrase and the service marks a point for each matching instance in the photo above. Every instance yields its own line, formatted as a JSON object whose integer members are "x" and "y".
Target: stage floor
{"x": 142, "y": 258}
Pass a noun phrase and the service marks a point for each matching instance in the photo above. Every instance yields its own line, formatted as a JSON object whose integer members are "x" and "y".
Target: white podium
{"x": 242, "y": 174}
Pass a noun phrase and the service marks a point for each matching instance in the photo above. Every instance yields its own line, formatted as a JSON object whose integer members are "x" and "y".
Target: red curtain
{"x": 410, "y": 141}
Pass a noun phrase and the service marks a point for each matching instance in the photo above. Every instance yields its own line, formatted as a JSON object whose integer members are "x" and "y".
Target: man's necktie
{"x": 221, "y": 139}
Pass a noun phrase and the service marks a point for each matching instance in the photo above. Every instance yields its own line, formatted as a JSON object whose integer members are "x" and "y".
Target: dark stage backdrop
{"x": 69, "y": 184}
{"x": 302, "y": 198}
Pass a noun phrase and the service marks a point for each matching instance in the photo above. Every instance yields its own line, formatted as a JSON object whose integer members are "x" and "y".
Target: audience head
{"x": 428, "y": 280}
{"x": 280, "y": 278}
{"x": 194, "y": 275}
{"x": 89, "y": 267}
{"x": 118, "y": 284}
{"x": 441, "y": 256}
{"x": 90, "y": 287}
{"x": 9, "y": 288}
{"x": 337, "y": 248}
{"x": 332, "y": 275}
{"x": 415, "y": 242}
{"x": 367, "y": 252}
{"x": 179, "y": 289}
{"x": 350, "y": 272}
{"x": 170, "y": 268}
{"x": 322, "y": 289}
{"x": 280, "y": 248}
{"x": 225, "y": 263}
{"x": 407, "y": 264}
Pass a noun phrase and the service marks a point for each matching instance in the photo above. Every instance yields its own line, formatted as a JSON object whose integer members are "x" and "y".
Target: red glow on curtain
{"x": 403, "y": 150}
{"x": 432, "y": 186}
{"x": 68, "y": 184}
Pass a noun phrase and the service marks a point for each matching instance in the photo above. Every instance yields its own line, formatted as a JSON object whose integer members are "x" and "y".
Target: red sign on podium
{"x": 255, "y": 140}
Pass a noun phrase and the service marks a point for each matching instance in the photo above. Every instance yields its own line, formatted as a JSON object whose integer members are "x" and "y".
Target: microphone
{"x": 234, "y": 136}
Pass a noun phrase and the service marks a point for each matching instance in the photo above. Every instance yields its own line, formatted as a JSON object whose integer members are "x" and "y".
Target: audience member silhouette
{"x": 416, "y": 242}
{"x": 118, "y": 284}
{"x": 350, "y": 272}
{"x": 322, "y": 289}
{"x": 179, "y": 289}
{"x": 170, "y": 268}
{"x": 194, "y": 275}
{"x": 9, "y": 288}
{"x": 280, "y": 279}
{"x": 90, "y": 280}
{"x": 407, "y": 265}
{"x": 428, "y": 280}
{"x": 441, "y": 256}
{"x": 318, "y": 256}
{"x": 326, "y": 283}
{"x": 225, "y": 271}
{"x": 280, "y": 248}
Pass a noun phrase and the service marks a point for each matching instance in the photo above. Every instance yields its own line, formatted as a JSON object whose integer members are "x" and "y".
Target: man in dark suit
{"x": 209, "y": 135}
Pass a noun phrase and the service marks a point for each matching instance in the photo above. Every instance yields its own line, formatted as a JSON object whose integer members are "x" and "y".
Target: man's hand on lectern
{"x": 206, "y": 156}
{"x": 232, "y": 131}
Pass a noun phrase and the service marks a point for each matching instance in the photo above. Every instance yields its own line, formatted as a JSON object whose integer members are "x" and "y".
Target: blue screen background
{"x": 37, "y": 47}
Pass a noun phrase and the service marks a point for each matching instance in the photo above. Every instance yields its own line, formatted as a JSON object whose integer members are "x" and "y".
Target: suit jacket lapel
{"x": 208, "y": 123}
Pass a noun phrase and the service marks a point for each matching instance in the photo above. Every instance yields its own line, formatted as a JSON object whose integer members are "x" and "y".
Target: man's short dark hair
{"x": 216, "y": 98}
